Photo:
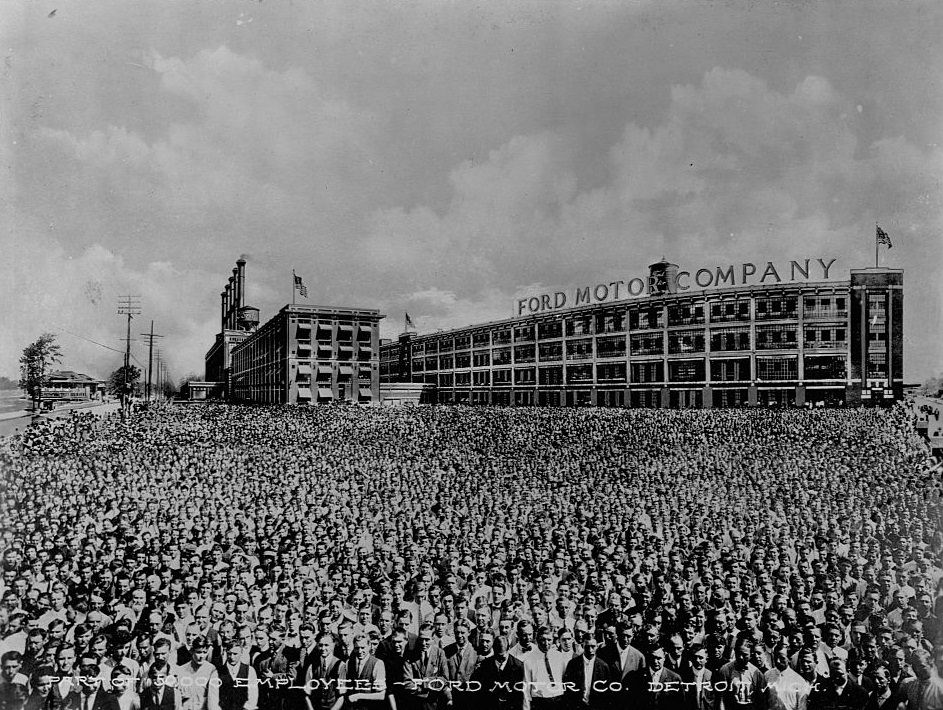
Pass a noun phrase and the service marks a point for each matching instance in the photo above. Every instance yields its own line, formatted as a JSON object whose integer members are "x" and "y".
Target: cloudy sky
{"x": 442, "y": 158}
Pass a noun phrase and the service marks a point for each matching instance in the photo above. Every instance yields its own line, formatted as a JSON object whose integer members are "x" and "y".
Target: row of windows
{"x": 730, "y": 339}
{"x": 727, "y": 370}
{"x": 615, "y": 321}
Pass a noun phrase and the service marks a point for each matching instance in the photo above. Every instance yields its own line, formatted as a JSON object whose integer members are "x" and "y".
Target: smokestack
{"x": 222, "y": 310}
{"x": 237, "y": 301}
{"x": 232, "y": 302}
{"x": 241, "y": 280}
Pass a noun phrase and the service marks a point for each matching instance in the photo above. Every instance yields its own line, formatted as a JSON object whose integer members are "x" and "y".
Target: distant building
{"x": 309, "y": 355}
{"x": 237, "y": 321}
{"x": 67, "y": 386}
{"x": 671, "y": 345}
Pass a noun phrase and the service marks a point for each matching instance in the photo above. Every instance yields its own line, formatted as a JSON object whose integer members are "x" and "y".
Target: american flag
{"x": 883, "y": 238}
{"x": 300, "y": 285}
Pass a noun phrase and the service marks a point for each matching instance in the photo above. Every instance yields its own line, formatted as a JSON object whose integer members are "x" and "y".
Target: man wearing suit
{"x": 430, "y": 667}
{"x": 839, "y": 692}
{"x": 321, "y": 677}
{"x": 586, "y": 680}
{"x": 654, "y": 687}
{"x": 501, "y": 677}
{"x": 366, "y": 677}
{"x": 622, "y": 658}
{"x": 696, "y": 680}
{"x": 158, "y": 695}
{"x": 461, "y": 660}
{"x": 89, "y": 694}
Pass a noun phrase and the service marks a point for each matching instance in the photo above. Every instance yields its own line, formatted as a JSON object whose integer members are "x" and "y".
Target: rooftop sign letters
{"x": 669, "y": 279}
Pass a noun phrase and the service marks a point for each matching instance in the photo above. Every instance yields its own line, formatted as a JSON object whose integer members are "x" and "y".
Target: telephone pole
{"x": 129, "y": 306}
{"x": 150, "y": 357}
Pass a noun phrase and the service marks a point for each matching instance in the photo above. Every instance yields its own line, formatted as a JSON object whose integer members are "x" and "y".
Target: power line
{"x": 150, "y": 358}
{"x": 129, "y": 306}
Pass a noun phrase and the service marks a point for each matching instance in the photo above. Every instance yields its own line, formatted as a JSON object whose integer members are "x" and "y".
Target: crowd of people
{"x": 233, "y": 558}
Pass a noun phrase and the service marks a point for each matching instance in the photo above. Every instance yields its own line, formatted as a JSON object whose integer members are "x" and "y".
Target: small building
{"x": 67, "y": 386}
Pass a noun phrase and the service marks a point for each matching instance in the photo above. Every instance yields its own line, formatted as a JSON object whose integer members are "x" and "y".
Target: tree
{"x": 116, "y": 383}
{"x": 34, "y": 365}
{"x": 932, "y": 387}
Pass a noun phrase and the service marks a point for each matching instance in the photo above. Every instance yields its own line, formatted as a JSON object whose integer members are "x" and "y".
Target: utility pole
{"x": 150, "y": 357}
{"x": 129, "y": 306}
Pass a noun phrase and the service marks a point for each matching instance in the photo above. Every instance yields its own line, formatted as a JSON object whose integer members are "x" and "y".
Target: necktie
{"x": 85, "y": 705}
{"x": 323, "y": 672}
{"x": 549, "y": 669}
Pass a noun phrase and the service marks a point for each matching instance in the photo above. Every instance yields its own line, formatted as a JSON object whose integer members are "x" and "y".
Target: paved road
{"x": 14, "y": 423}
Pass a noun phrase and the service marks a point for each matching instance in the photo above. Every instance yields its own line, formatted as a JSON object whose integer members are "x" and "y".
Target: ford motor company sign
{"x": 747, "y": 274}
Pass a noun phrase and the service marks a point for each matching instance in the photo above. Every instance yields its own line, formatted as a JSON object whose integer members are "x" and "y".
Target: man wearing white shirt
{"x": 524, "y": 645}
{"x": 787, "y": 689}
{"x": 543, "y": 674}
{"x": 587, "y": 680}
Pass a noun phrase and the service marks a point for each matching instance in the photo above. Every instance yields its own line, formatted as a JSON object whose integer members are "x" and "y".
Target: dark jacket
{"x": 501, "y": 689}
{"x": 601, "y": 695}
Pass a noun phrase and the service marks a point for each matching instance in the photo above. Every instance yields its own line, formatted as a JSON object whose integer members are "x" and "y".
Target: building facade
{"x": 309, "y": 355}
{"x": 821, "y": 342}
{"x": 237, "y": 322}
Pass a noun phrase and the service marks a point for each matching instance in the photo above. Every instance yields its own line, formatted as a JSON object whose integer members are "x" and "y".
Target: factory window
{"x": 730, "y": 369}
{"x": 550, "y": 329}
{"x": 579, "y": 325}
{"x": 481, "y": 378}
{"x": 775, "y": 337}
{"x": 776, "y": 368}
{"x": 525, "y": 376}
{"x": 730, "y": 311}
{"x": 611, "y": 372}
{"x": 610, "y": 322}
{"x": 730, "y": 339}
{"x": 643, "y": 372}
{"x": 481, "y": 339}
{"x": 524, "y": 353}
{"x": 686, "y": 341}
{"x": 501, "y": 337}
{"x": 877, "y": 365}
{"x": 686, "y": 371}
{"x": 686, "y": 314}
{"x": 776, "y": 307}
{"x": 551, "y": 375}
{"x": 501, "y": 377}
{"x": 646, "y": 318}
{"x": 579, "y": 373}
{"x": 462, "y": 379}
{"x": 482, "y": 359}
{"x": 647, "y": 344}
{"x": 445, "y": 362}
{"x": 463, "y": 342}
{"x": 523, "y": 333}
{"x": 825, "y": 368}
{"x": 551, "y": 351}
{"x": 611, "y": 347}
{"x": 579, "y": 349}
{"x": 463, "y": 360}
{"x": 501, "y": 356}
{"x": 432, "y": 363}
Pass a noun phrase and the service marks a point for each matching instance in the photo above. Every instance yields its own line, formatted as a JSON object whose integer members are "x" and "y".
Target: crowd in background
{"x": 234, "y": 558}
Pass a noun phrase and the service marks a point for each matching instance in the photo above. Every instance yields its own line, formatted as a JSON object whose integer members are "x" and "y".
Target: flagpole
{"x": 876, "y": 245}
{"x": 293, "y": 288}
